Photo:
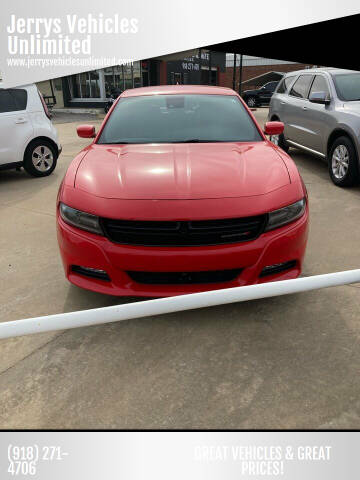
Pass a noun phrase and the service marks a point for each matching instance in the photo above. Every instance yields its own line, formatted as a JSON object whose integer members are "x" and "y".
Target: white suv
{"x": 27, "y": 136}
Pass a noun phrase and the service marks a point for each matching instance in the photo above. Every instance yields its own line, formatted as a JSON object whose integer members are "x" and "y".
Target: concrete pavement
{"x": 287, "y": 362}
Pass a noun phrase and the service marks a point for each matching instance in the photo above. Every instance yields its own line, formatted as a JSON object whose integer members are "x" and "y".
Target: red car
{"x": 180, "y": 191}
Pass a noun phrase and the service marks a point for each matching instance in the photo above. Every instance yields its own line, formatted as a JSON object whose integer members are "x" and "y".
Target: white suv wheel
{"x": 42, "y": 158}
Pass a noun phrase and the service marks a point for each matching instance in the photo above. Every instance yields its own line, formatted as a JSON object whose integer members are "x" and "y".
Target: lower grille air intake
{"x": 90, "y": 272}
{"x": 183, "y": 278}
{"x": 277, "y": 268}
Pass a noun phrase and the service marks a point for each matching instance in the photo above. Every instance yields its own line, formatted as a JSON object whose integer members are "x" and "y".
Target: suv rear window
{"x": 284, "y": 84}
{"x": 12, "y": 100}
{"x": 319, "y": 85}
{"x": 301, "y": 86}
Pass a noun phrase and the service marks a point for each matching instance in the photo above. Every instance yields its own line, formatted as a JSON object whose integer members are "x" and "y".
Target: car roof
{"x": 29, "y": 85}
{"x": 331, "y": 70}
{"x": 178, "y": 90}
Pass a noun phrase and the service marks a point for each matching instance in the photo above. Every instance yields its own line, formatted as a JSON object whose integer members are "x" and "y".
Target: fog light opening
{"x": 91, "y": 272}
{"x": 277, "y": 268}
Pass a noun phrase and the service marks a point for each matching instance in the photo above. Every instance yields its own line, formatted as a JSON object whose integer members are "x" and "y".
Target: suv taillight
{"x": 45, "y": 107}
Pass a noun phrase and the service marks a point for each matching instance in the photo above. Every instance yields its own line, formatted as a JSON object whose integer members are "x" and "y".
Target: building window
{"x": 137, "y": 74}
{"x": 145, "y": 73}
{"x": 128, "y": 77}
{"x": 94, "y": 84}
{"x": 85, "y": 85}
{"x": 114, "y": 79}
{"x": 98, "y": 84}
{"x": 58, "y": 84}
{"x": 205, "y": 80}
{"x": 176, "y": 78}
{"x": 122, "y": 77}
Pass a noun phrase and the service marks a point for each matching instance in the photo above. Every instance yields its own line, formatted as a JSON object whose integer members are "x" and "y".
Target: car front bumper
{"x": 84, "y": 249}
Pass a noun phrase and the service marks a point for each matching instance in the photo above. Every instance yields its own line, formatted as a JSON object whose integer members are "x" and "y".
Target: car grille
{"x": 186, "y": 233}
{"x": 183, "y": 278}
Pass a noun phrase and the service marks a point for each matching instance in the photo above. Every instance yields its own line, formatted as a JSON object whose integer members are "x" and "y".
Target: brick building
{"x": 91, "y": 89}
{"x": 253, "y": 70}
{"x": 197, "y": 67}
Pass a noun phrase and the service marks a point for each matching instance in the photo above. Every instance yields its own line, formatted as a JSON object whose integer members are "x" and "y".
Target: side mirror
{"x": 273, "y": 128}
{"x": 319, "y": 97}
{"x": 86, "y": 131}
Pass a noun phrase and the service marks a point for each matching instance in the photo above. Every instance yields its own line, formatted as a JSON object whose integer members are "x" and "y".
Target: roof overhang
{"x": 264, "y": 78}
{"x": 315, "y": 44}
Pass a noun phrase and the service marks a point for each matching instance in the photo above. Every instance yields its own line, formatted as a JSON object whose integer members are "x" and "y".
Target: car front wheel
{"x": 251, "y": 102}
{"x": 40, "y": 158}
{"x": 343, "y": 163}
{"x": 280, "y": 141}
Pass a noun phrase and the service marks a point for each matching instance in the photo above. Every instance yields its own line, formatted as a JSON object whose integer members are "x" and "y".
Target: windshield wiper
{"x": 197, "y": 140}
{"x": 190, "y": 140}
{"x": 116, "y": 143}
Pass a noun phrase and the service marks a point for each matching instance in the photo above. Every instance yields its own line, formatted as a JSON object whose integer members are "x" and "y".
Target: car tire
{"x": 280, "y": 141}
{"x": 251, "y": 102}
{"x": 343, "y": 163}
{"x": 40, "y": 158}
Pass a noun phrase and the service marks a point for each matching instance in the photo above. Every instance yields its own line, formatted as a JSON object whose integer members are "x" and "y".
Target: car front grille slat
{"x": 147, "y": 226}
{"x": 184, "y": 278}
{"x": 217, "y": 225}
{"x": 184, "y": 233}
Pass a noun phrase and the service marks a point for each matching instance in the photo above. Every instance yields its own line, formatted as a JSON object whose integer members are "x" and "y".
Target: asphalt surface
{"x": 68, "y": 117}
{"x": 286, "y": 362}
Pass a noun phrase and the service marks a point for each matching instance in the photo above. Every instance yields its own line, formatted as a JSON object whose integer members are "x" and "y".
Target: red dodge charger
{"x": 180, "y": 191}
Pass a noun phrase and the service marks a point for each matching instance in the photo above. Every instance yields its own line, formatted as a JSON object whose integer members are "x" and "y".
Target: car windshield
{"x": 348, "y": 86}
{"x": 179, "y": 119}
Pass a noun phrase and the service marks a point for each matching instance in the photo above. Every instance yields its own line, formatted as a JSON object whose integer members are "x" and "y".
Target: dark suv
{"x": 260, "y": 96}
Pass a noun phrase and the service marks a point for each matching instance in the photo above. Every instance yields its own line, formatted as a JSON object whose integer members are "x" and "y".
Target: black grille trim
{"x": 184, "y": 233}
{"x": 184, "y": 278}
{"x": 281, "y": 267}
{"x": 90, "y": 273}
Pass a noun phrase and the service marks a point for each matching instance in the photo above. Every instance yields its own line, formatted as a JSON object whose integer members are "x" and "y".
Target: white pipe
{"x": 179, "y": 303}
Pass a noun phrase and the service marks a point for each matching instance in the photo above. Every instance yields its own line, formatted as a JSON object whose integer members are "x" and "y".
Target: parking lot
{"x": 286, "y": 362}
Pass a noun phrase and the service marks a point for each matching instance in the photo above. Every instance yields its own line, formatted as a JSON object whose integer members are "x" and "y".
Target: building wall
{"x": 190, "y": 68}
{"x": 163, "y": 72}
{"x": 45, "y": 89}
{"x": 251, "y": 60}
{"x": 251, "y": 71}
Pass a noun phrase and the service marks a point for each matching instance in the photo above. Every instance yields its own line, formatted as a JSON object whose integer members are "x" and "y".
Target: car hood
{"x": 353, "y": 107}
{"x": 254, "y": 91}
{"x": 181, "y": 171}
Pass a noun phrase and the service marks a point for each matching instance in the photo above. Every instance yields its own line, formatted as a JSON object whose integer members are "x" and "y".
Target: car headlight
{"x": 278, "y": 218}
{"x": 79, "y": 219}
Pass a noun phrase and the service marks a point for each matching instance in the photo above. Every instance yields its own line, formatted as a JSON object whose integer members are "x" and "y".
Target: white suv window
{"x": 12, "y": 100}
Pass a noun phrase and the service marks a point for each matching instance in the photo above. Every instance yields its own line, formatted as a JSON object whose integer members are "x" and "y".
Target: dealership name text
{"x": 46, "y": 36}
